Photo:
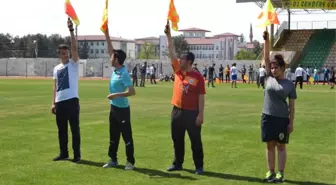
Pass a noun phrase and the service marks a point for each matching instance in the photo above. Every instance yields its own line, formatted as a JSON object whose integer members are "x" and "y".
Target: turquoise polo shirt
{"x": 120, "y": 81}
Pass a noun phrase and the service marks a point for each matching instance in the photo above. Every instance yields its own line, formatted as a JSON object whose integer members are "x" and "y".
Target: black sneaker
{"x": 279, "y": 178}
{"x": 174, "y": 168}
{"x": 61, "y": 157}
{"x": 199, "y": 171}
{"x": 76, "y": 159}
{"x": 270, "y": 176}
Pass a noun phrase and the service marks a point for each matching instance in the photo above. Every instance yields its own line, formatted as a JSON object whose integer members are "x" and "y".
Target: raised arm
{"x": 267, "y": 52}
{"x": 108, "y": 40}
{"x": 171, "y": 47}
{"x": 74, "y": 47}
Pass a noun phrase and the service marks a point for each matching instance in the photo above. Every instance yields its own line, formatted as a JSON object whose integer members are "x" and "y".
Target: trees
{"x": 245, "y": 55}
{"x": 257, "y": 47}
{"x": 147, "y": 51}
{"x": 181, "y": 45}
{"x": 31, "y": 45}
{"x": 242, "y": 38}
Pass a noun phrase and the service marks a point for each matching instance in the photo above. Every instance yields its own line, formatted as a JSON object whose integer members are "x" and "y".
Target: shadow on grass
{"x": 250, "y": 179}
{"x": 150, "y": 172}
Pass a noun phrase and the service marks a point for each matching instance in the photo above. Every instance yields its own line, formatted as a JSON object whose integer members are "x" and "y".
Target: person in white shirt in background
{"x": 234, "y": 73}
{"x": 299, "y": 72}
{"x": 316, "y": 76}
{"x": 148, "y": 72}
{"x": 262, "y": 75}
{"x": 65, "y": 102}
{"x": 152, "y": 74}
{"x": 308, "y": 72}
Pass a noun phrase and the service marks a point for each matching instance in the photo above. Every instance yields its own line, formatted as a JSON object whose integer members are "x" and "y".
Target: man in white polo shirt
{"x": 65, "y": 102}
{"x": 262, "y": 74}
{"x": 299, "y": 72}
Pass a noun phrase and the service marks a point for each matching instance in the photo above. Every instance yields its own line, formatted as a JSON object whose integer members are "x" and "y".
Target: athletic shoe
{"x": 110, "y": 164}
{"x": 279, "y": 178}
{"x": 199, "y": 171}
{"x": 129, "y": 166}
{"x": 174, "y": 168}
{"x": 269, "y": 176}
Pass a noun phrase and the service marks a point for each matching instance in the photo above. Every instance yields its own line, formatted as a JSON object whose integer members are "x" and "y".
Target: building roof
{"x": 226, "y": 35}
{"x": 148, "y": 38}
{"x": 194, "y": 29}
{"x": 200, "y": 41}
{"x": 101, "y": 38}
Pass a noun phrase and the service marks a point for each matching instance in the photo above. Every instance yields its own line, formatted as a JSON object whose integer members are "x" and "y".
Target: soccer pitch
{"x": 234, "y": 153}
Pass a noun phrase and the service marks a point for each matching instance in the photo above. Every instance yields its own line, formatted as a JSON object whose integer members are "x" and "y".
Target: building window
{"x": 91, "y": 43}
{"x": 91, "y": 51}
{"x": 103, "y": 43}
{"x": 216, "y": 55}
{"x": 97, "y": 51}
{"x": 97, "y": 43}
{"x": 217, "y": 47}
{"x": 102, "y": 51}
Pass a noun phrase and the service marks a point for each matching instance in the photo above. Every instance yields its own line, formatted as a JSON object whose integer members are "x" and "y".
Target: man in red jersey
{"x": 188, "y": 107}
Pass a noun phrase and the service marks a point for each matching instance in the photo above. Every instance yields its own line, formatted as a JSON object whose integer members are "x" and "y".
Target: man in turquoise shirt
{"x": 120, "y": 120}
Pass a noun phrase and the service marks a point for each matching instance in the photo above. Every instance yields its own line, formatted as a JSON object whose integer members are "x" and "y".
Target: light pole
{"x": 12, "y": 44}
{"x": 36, "y": 48}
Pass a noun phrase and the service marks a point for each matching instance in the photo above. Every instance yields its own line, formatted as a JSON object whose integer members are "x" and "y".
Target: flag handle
{"x": 76, "y": 32}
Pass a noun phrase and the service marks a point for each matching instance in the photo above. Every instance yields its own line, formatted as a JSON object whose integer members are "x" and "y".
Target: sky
{"x": 136, "y": 18}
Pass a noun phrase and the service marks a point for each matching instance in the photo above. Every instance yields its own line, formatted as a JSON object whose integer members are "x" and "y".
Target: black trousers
{"x": 300, "y": 80}
{"x": 120, "y": 123}
{"x": 221, "y": 77}
{"x": 250, "y": 77}
{"x": 152, "y": 79}
{"x": 68, "y": 110}
{"x": 227, "y": 78}
{"x": 135, "y": 81}
{"x": 211, "y": 80}
{"x": 142, "y": 80}
{"x": 182, "y": 121}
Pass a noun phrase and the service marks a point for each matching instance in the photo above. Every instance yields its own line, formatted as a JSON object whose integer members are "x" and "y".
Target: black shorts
{"x": 274, "y": 129}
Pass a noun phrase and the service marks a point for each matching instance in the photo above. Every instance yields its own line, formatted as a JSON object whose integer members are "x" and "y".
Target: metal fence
{"x": 43, "y": 67}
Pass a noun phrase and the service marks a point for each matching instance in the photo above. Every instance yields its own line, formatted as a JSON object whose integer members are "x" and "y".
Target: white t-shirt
{"x": 299, "y": 71}
{"x": 152, "y": 70}
{"x": 315, "y": 71}
{"x": 262, "y": 72}
{"x": 66, "y": 77}
{"x": 234, "y": 70}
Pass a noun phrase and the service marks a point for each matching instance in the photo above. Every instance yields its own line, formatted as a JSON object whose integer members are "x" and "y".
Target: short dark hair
{"x": 190, "y": 57}
{"x": 62, "y": 46}
{"x": 278, "y": 59}
{"x": 120, "y": 55}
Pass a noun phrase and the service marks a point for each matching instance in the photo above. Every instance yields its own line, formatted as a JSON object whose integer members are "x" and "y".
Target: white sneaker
{"x": 110, "y": 164}
{"x": 129, "y": 166}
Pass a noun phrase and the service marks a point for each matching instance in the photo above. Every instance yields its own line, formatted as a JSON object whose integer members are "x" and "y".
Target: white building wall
{"x": 131, "y": 50}
{"x": 163, "y": 47}
{"x": 98, "y": 49}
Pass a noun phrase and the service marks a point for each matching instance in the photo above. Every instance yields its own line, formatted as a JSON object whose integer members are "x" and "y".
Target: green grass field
{"x": 234, "y": 153}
